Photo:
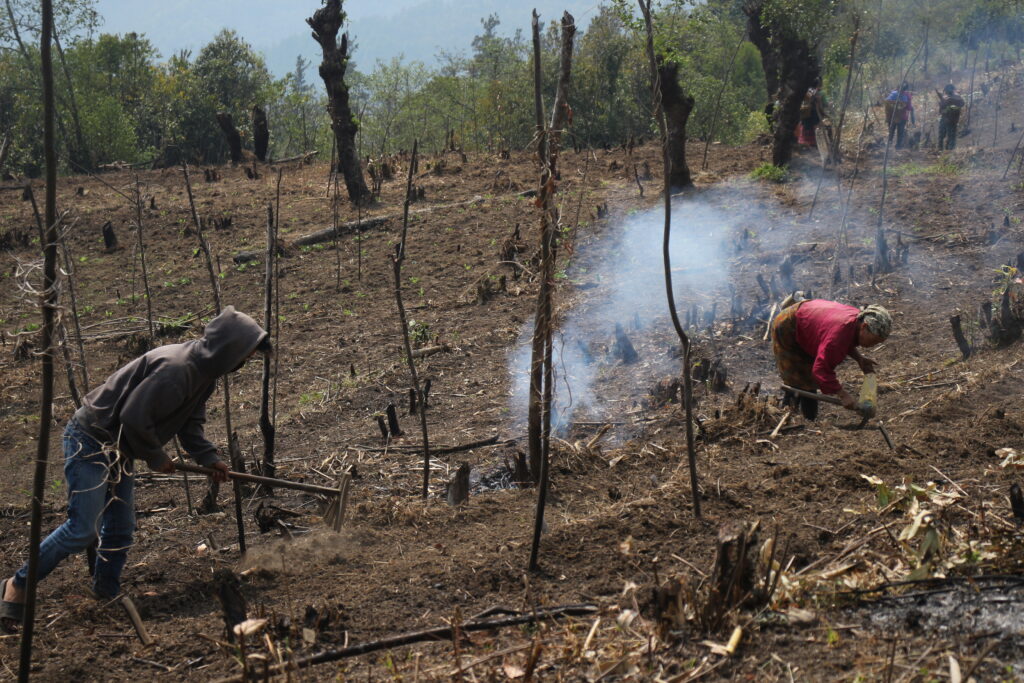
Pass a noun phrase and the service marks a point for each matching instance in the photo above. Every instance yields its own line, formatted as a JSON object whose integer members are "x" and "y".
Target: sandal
{"x": 10, "y": 611}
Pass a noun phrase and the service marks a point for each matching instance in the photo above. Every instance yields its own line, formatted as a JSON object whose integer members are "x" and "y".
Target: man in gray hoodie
{"x": 141, "y": 407}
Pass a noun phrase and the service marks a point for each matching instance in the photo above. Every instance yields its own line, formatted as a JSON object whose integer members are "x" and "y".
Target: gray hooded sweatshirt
{"x": 163, "y": 393}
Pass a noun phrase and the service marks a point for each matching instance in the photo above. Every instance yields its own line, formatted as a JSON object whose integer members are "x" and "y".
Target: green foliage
{"x": 770, "y": 173}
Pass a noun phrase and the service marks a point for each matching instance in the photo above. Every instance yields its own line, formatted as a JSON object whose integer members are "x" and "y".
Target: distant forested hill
{"x": 418, "y": 29}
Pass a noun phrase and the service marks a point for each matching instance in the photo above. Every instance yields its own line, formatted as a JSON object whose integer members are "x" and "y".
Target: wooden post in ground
{"x": 266, "y": 426}
{"x": 396, "y": 263}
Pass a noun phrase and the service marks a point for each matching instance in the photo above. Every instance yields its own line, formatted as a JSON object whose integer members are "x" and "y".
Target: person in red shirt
{"x": 811, "y": 338}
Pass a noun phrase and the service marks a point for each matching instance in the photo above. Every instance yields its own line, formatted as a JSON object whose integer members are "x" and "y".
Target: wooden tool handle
{"x": 256, "y": 479}
{"x": 824, "y": 398}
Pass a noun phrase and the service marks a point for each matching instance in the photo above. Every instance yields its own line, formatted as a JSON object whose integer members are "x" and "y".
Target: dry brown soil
{"x": 620, "y": 517}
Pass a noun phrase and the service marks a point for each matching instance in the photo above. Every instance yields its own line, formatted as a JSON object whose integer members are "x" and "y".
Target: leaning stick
{"x": 440, "y": 633}
{"x": 133, "y": 615}
{"x": 256, "y": 479}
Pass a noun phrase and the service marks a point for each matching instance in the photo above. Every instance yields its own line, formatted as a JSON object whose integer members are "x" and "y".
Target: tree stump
{"x": 231, "y": 134}
{"x": 458, "y": 487}
{"x": 109, "y": 237}
{"x": 260, "y": 132}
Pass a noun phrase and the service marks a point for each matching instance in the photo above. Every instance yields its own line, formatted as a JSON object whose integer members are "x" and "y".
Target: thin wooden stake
{"x": 396, "y": 262}
{"x": 49, "y": 247}
{"x": 684, "y": 339}
{"x": 266, "y": 426}
{"x": 133, "y": 616}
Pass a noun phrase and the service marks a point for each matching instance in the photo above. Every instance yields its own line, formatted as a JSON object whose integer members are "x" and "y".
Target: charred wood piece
{"x": 624, "y": 347}
{"x": 109, "y": 237}
{"x": 228, "y": 589}
{"x": 958, "y": 335}
{"x": 393, "y": 427}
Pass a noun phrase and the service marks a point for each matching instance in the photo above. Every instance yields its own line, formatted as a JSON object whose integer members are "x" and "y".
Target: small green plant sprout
{"x": 419, "y": 333}
{"x": 770, "y": 173}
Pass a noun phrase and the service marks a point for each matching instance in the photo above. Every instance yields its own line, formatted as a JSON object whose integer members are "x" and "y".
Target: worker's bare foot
{"x": 12, "y": 593}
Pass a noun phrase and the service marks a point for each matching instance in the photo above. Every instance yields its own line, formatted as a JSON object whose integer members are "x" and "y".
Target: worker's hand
{"x": 166, "y": 467}
{"x": 220, "y": 472}
{"x": 849, "y": 402}
{"x": 867, "y": 366}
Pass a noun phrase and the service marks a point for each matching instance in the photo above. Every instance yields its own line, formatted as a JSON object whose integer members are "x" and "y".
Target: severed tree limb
{"x": 427, "y": 635}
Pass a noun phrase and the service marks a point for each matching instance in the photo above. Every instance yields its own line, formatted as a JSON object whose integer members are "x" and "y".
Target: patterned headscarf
{"x": 877, "y": 319}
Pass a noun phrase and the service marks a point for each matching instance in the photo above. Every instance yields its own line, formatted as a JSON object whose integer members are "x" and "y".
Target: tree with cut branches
{"x": 326, "y": 22}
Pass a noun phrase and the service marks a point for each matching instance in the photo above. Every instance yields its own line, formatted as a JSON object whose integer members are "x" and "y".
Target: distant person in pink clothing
{"x": 811, "y": 338}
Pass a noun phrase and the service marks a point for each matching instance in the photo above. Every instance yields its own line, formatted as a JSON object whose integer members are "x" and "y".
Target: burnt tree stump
{"x": 109, "y": 237}
{"x": 458, "y": 487}
{"x": 393, "y": 427}
{"x": 260, "y": 132}
{"x": 624, "y": 347}
{"x": 958, "y": 335}
{"x": 228, "y": 590}
{"x": 231, "y": 134}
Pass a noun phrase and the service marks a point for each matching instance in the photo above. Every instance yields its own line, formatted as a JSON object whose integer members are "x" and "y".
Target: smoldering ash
{"x": 624, "y": 278}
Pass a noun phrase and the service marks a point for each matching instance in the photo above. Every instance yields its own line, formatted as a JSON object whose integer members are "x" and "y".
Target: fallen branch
{"x": 329, "y": 234}
{"x": 298, "y": 157}
{"x": 428, "y": 351}
{"x": 428, "y": 635}
{"x": 493, "y": 441}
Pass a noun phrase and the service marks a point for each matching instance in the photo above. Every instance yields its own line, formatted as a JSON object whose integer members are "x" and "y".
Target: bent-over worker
{"x": 131, "y": 416}
{"x": 811, "y": 338}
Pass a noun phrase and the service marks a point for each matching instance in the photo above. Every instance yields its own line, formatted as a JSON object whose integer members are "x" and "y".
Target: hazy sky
{"x": 417, "y": 29}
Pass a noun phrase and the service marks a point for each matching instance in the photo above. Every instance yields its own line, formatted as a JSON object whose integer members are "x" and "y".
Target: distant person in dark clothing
{"x": 141, "y": 407}
{"x": 950, "y": 107}
{"x": 899, "y": 110}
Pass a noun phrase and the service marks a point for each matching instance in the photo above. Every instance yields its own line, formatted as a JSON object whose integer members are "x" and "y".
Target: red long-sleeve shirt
{"x": 827, "y": 331}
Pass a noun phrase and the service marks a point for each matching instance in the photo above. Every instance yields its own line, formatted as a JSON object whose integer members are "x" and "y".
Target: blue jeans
{"x": 101, "y": 492}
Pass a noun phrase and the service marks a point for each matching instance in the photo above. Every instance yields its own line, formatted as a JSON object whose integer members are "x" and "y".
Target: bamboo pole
{"x": 49, "y": 305}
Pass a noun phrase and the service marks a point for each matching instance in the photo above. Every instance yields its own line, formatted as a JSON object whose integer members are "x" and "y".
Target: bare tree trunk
{"x": 231, "y": 134}
{"x": 326, "y": 22}
{"x": 677, "y": 106}
{"x": 791, "y": 67}
{"x": 261, "y": 133}
{"x": 49, "y": 318}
